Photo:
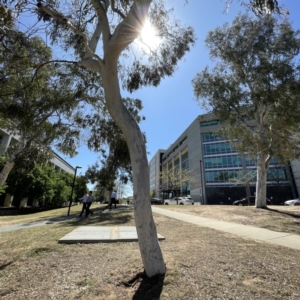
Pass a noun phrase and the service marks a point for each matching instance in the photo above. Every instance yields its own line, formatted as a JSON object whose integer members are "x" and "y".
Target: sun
{"x": 149, "y": 39}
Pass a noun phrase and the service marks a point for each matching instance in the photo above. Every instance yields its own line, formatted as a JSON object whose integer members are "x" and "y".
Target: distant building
{"x": 57, "y": 162}
{"x": 213, "y": 161}
{"x": 155, "y": 170}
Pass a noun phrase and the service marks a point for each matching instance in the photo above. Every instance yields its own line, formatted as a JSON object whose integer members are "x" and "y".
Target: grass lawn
{"x": 202, "y": 263}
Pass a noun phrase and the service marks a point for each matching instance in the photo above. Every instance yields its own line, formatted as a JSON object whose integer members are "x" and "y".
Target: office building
{"x": 214, "y": 162}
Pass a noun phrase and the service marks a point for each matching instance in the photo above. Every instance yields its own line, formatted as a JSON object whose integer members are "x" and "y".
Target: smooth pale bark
{"x": 5, "y": 171}
{"x": 113, "y": 45}
{"x": 261, "y": 183}
{"x": 151, "y": 253}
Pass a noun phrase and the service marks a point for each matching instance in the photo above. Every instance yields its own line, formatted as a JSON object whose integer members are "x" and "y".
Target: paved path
{"x": 262, "y": 234}
{"x": 55, "y": 220}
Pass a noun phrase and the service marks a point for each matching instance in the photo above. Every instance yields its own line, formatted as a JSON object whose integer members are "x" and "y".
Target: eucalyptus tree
{"x": 79, "y": 26}
{"x": 254, "y": 89}
{"x": 41, "y": 110}
{"x": 106, "y": 138}
{"x": 260, "y": 7}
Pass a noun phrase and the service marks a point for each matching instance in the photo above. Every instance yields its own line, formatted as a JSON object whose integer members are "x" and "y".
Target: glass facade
{"x": 185, "y": 161}
{"x": 209, "y": 123}
{"x": 222, "y": 164}
{"x": 219, "y": 148}
{"x": 211, "y": 137}
{"x": 177, "y": 164}
{"x": 223, "y": 161}
{"x": 220, "y": 176}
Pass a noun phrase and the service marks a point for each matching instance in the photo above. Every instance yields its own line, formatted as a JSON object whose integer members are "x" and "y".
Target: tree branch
{"x": 129, "y": 28}
{"x": 35, "y": 73}
{"x": 103, "y": 24}
{"x": 72, "y": 27}
{"x": 116, "y": 10}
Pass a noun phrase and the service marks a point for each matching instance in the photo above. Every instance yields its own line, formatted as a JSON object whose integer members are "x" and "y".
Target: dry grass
{"x": 276, "y": 218}
{"x": 201, "y": 264}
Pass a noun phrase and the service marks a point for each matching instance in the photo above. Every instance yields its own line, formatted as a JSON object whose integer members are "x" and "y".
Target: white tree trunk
{"x": 5, "y": 172}
{"x": 261, "y": 182}
{"x": 146, "y": 230}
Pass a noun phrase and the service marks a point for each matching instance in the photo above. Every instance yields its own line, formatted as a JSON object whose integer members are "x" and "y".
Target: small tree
{"x": 245, "y": 178}
{"x": 175, "y": 179}
{"x": 254, "y": 89}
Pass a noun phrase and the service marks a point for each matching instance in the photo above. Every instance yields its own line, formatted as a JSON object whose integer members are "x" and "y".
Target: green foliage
{"x": 104, "y": 133}
{"x": 80, "y": 187}
{"x": 41, "y": 102}
{"x": 3, "y": 189}
{"x": 43, "y": 184}
{"x": 254, "y": 88}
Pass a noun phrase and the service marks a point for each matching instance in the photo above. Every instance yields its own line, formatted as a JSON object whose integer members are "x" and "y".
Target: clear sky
{"x": 170, "y": 108}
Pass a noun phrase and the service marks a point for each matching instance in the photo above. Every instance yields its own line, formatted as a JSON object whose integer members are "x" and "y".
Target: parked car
{"x": 292, "y": 202}
{"x": 190, "y": 198}
{"x": 244, "y": 201}
{"x": 156, "y": 201}
{"x": 180, "y": 200}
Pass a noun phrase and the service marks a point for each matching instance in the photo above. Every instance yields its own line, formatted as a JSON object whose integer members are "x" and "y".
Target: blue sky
{"x": 170, "y": 108}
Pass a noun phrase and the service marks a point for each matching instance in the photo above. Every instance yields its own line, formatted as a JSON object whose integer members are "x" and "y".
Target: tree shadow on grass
{"x": 2, "y": 267}
{"x": 149, "y": 288}
{"x": 291, "y": 214}
{"x": 117, "y": 218}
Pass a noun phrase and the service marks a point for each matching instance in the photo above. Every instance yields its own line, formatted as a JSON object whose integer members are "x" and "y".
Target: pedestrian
{"x": 89, "y": 201}
{"x": 113, "y": 200}
{"x": 84, "y": 201}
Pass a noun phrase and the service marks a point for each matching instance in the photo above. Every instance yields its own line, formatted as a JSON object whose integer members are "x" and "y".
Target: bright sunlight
{"x": 149, "y": 39}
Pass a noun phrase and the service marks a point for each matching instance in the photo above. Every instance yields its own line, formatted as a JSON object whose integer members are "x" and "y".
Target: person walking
{"x": 89, "y": 201}
{"x": 84, "y": 200}
{"x": 113, "y": 200}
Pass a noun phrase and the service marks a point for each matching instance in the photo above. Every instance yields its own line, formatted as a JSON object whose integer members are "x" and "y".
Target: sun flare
{"x": 149, "y": 39}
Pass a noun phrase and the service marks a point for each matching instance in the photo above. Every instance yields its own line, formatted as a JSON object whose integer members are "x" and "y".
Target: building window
{"x": 176, "y": 164}
{"x": 185, "y": 161}
{"x": 211, "y": 137}
{"x": 209, "y": 123}
{"x": 218, "y": 148}
{"x": 222, "y": 161}
{"x": 220, "y": 176}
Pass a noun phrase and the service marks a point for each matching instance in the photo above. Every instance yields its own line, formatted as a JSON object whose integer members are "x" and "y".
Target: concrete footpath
{"x": 261, "y": 234}
{"x": 256, "y": 233}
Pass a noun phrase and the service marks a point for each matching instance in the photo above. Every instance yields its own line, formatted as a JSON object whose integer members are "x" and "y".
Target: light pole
{"x": 202, "y": 187}
{"x": 77, "y": 167}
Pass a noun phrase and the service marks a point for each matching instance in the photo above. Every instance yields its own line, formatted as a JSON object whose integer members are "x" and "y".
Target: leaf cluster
{"x": 254, "y": 88}
{"x": 44, "y": 184}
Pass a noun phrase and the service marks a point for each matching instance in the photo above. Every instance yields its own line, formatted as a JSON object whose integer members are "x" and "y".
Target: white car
{"x": 292, "y": 202}
{"x": 180, "y": 200}
{"x": 190, "y": 198}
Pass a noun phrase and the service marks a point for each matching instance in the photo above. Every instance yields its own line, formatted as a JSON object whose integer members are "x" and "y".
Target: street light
{"x": 77, "y": 167}
{"x": 202, "y": 187}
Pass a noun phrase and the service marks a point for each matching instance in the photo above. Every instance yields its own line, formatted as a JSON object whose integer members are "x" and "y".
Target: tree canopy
{"x": 254, "y": 88}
